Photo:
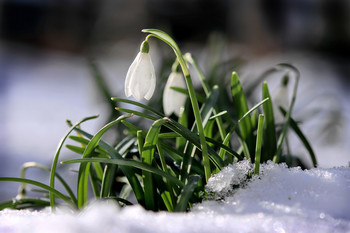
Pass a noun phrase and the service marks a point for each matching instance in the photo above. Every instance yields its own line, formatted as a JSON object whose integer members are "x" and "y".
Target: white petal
{"x": 129, "y": 76}
{"x": 151, "y": 81}
{"x": 142, "y": 79}
{"x": 174, "y": 101}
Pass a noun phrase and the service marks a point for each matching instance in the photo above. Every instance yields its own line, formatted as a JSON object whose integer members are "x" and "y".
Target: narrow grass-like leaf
{"x": 80, "y": 150}
{"x": 24, "y": 203}
{"x": 130, "y": 163}
{"x": 79, "y": 139}
{"x": 27, "y": 165}
{"x": 224, "y": 147}
{"x": 174, "y": 154}
{"x": 132, "y": 128}
{"x": 137, "y": 113}
{"x": 139, "y": 137}
{"x": 147, "y": 157}
{"x": 163, "y": 196}
{"x": 206, "y": 111}
{"x": 84, "y": 142}
{"x": 107, "y": 180}
{"x": 170, "y": 193}
{"x": 245, "y": 148}
{"x": 183, "y": 120}
{"x": 52, "y": 191}
{"x": 255, "y": 119}
{"x": 125, "y": 144}
{"x": 98, "y": 170}
{"x": 302, "y": 137}
{"x": 207, "y": 91}
{"x": 84, "y": 168}
{"x": 76, "y": 149}
{"x": 226, "y": 142}
{"x": 253, "y": 109}
{"x": 193, "y": 138}
{"x": 139, "y": 105}
{"x": 94, "y": 180}
{"x": 55, "y": 160}
{"x": 129, "y": 172}
{"x": 294, "y": 70}
{"x": 110, "y": 169}
{"x": 218, "y": 115}
{"x": 270, "y": 142}
{"x": 186, "y": 193}
{"x": 259, "y": 141}
{"x": 208, "y": 107}
{"x": 169, "y": 135}
{"x": 241, "y": 106}
{"x": 184, "y": 91}
{"x": 208, "y": 130}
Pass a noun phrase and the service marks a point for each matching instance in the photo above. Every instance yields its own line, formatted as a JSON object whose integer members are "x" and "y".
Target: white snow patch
{"x": 220, "y": 185}
{"x": 280, "y": 199}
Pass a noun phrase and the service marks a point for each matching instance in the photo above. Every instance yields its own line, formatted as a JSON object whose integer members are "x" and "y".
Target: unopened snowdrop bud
{"x": 140, "y": 80}
{"x": 174, "y": 101}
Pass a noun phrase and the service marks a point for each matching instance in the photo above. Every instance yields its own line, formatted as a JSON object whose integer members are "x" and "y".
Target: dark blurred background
{"x": 44, "y": 46}
{"x": 77, "y": 26}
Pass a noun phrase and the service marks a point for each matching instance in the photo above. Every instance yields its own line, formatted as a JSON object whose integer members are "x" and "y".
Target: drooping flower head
{"x": 140, "y": 80}
{"x": 174, "y": 101}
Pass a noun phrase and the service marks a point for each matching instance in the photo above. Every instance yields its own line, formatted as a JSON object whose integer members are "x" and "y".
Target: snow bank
{"x": 278, "y": 200}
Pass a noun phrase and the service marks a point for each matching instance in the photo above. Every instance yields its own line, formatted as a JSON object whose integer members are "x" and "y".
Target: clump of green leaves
{"x": 166, "y": 166}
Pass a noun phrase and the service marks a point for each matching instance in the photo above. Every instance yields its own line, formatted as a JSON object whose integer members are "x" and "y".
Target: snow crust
{"x": 280, "y": 199}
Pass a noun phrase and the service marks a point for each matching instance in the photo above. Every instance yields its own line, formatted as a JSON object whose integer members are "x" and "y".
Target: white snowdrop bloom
{"x": 174, "y": 101}
{"x": 140, "y": 80}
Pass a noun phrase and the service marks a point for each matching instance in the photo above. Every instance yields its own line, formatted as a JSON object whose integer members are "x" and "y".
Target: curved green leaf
{"x": 127, "y": 171}
{"x": 259, "y": 141}
{"x": 24, "y": 203}
{"x": 84, "y": 168}
{"x": 55, "y": 160}
{"x": 186, "y": 193}
{"x": 302, "y": 137}
{"x": 148, "y": 150}
{"x": 270, "y": 143}
{"x": 294, "y": 70}
{"x": 44, "y": 168}
{"x": 130, "y": 163}
{"x": 41, "y": 185}
{"x": 241, "y": 106}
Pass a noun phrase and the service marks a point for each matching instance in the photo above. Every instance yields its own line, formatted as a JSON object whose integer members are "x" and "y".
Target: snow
{"x": 280, "y": 199}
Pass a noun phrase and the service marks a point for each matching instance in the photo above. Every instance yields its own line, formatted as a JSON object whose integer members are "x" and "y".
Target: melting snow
{"x": 280, "y": 199}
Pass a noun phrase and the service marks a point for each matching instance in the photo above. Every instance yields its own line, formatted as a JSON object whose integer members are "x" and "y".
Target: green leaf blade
{"x": 270, "y": 128}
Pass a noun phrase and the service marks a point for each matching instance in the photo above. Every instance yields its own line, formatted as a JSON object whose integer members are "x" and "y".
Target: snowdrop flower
{"x": 174, "y": 101}
{"x": 140, "y": 80}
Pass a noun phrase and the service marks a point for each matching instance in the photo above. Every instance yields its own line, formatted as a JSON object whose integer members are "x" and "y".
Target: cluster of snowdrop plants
{"x": 166, "y": 166}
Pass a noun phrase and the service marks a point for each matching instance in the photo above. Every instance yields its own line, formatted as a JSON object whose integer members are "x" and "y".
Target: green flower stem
{"x": 168, "y": 40}
{"x": 198, "y": 119}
